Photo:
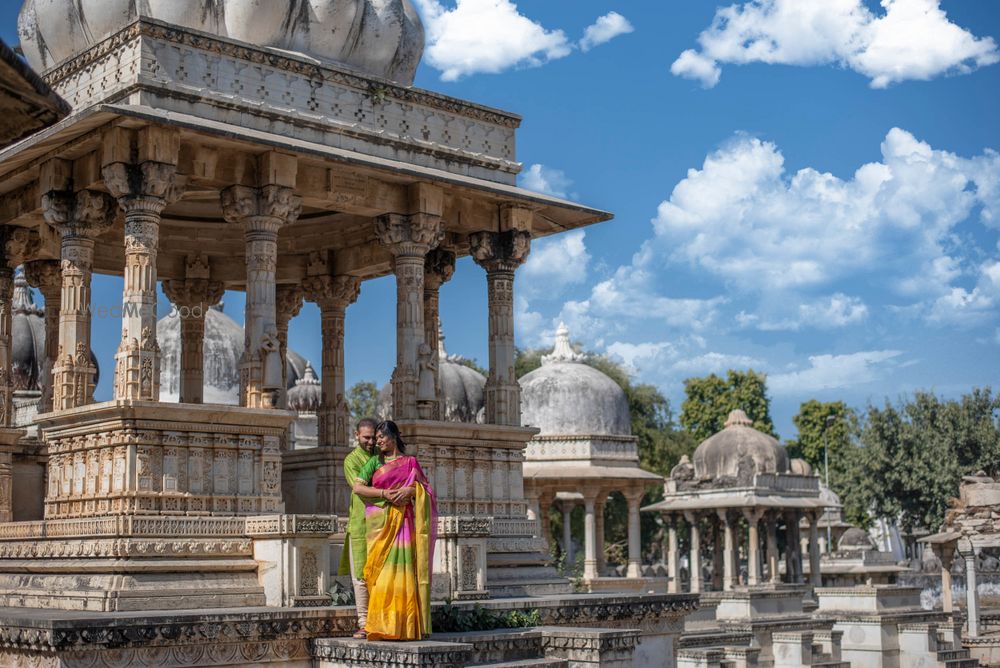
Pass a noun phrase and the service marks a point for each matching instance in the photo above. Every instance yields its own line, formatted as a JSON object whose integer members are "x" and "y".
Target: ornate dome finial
{"x": 738, "y": 418}
{"x": 563, "y": 349}
{"x": 23, "y": 302}
{"x": 442, "y": 353}
{"x": 307, "y": 395}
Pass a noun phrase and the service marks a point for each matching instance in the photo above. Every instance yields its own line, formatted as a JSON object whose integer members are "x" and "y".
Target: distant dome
{"x": 856, "y": 540}
{"x": 307, "y": 395}
{"x": 461, "y": 389}
{"x": 721, "y": 454}
{"x": 828, "y": 496}
{"x": 800, "y": 467}
{"x": 567, "y": 397}
{"x": 27, "y": 339}
{"x": 222, "y": 352}
{"x": 384, "y": 38}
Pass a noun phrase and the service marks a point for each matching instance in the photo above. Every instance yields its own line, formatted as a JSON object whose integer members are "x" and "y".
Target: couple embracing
{"x": 390, "y": 535}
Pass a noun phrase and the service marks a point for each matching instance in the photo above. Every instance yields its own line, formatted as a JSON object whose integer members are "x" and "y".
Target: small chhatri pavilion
{"x": 584, "y": 451}
{"x": 741, "y": 474}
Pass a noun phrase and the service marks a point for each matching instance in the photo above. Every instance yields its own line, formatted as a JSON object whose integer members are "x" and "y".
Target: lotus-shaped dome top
{"x": 383, "y": 38}
{"x": 739, "y": 444}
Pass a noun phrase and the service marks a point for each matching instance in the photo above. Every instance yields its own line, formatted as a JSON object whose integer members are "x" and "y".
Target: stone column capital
{"x": 87, "y": 213}
{"x": 331, "y": 291}
{"x": 753, "y": 514}
{"x": 287, "y": 301}
{"x": 20, "y": 245}
{"x": 45, "y": 275}
{"x": 266, "y": 208}
{"x": 409, "y": 235}
{"x": 145, "y": 187}
{"x": 193, "y": 291}
{"x": 439, "y": 267}
{"x": 500, "y": 251}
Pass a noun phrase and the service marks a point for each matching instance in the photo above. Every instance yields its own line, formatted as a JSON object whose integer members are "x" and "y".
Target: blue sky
{"x": 810, "y": 189}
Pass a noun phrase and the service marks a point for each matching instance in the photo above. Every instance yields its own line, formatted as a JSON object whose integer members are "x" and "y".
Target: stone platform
{"x": 580, "y": 629}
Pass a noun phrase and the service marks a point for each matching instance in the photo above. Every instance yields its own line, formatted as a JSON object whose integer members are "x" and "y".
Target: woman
{"x": 401, "y": 520}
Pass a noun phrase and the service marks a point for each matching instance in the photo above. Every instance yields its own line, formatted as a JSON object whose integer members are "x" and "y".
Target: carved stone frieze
{"x": 86, "y": 213}
{"x": 409, "y": 235}
{"x": 265, "y": 208}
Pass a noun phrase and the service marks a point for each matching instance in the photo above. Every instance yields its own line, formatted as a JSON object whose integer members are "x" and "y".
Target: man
{"x": 355, "y": 548}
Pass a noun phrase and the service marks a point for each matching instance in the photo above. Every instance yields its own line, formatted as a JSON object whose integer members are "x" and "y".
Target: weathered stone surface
{"x": 384, "y": 39}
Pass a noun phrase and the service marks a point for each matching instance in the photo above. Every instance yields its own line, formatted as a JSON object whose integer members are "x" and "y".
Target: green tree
{"x": 362, "y": 399}
{"x": 822, "y": 425}
{"x": 913, "y": 455}
{"x": 709, "y": 400}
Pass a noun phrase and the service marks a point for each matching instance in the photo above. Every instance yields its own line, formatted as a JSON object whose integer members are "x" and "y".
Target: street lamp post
{"x": 830, "y": 419}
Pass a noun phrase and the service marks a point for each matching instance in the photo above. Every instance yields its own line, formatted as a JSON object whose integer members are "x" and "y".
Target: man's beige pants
{"x": 360, "y": 590}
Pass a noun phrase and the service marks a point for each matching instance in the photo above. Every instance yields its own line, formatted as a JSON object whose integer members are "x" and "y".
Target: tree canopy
{"x": 362, "y": 399}
{"x": 709, "y": 400}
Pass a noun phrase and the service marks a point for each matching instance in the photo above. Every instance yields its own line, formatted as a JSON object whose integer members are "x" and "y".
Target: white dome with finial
{"x": 307, "y": 395}
{"x": 383, "y": 38}
{"x": 566, "y": 396}
{"x": 738, "y": 446}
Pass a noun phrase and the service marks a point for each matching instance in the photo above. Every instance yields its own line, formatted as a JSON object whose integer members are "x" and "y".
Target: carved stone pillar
{"x": 728, "y": 563}
{"x": 946, "y": 553}
{"x": 589, "y": 538}
{"x": 46, "y": 276}
{"x": 261, "y": 212}
{"x": 288, "y": 303}
{"x": 693, "y": 520}
{"x": 143, "y": 190}
{"x": 971, "y": 594}
{"x": 567, "y": 542}
{"x": 78, "y": 218}
{"x": 409, "y": 238}
{"x": 7, "y": 264}
{"x": 193, "y": 296}
{"x": 599, "y": 504}
{"x": 815, "y": 576}
{"x": 771, "y": 522}
{"x": 633, "y": 499}
{"x": 500, "y": 254}
{"x": 673, "y": 558}
{"x": 753, "y": 545}
{"x": 439, "y": 267}
{"x": 333, "y": 294}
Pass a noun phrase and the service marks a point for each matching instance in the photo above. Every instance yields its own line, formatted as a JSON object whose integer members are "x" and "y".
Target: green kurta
{"x": 358, "y": 549}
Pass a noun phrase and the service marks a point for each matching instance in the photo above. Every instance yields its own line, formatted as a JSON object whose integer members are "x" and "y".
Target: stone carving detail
{"x": 261, "y": 212}
{"x": 382, "y": 39}
{"x": 308, "y": 574}
{"x": 470, "y": 569}
{"x": 500, "y": 254}
{"x": 78, "y": 218}
{"x": 408, "y": 238}
{"x": 174, "y": 471}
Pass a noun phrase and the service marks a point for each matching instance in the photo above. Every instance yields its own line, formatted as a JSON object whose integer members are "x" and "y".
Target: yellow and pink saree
{"x": 400, "y": 552}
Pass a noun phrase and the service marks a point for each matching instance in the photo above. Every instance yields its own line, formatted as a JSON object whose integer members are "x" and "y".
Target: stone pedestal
{"x": 154, "y": 458}
{"x": 293, "y": 557}
{"x": 460, "y": 557}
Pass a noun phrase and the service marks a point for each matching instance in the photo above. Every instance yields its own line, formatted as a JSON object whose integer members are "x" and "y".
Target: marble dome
{"x": 223, "y": 349}
{"x": 383, "y": 38}
{"x": 739, "y": 445}
{"x": 461, "y": 389}
{"x": 565, "y": 396}
{"x": 856, "y": 540}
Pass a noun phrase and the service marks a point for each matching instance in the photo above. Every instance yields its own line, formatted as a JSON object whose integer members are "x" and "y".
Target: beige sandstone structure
{"x": 224, "y": 154}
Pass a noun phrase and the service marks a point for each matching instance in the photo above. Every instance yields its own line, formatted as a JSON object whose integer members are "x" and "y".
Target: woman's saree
{"x": 400, "y": 552}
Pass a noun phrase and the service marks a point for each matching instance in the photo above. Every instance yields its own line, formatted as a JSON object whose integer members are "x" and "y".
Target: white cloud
{"x": 488, "y": 36}
{"x": 828, "y": 372}
{"x": 670, "y": 363}
{"x": 466, "y": 37}
{"x": 546, "y": 180}
{"x": 912, "y": 39}
{"x": 554, "y": 264}
{"x": 835, "y": 311}
{"x": 742, "y": 218}
{"x": 605, "y": 29}
{"x": 963, "y": 307}
{"x": 528, "y": 324}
